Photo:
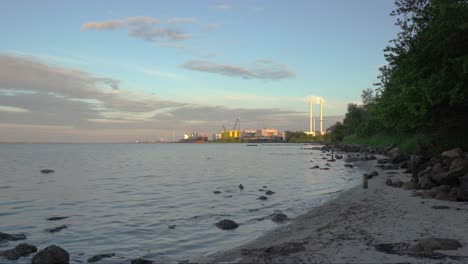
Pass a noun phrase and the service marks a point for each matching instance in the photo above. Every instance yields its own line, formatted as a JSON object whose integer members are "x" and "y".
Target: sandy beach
{"x": 352, "y": 227}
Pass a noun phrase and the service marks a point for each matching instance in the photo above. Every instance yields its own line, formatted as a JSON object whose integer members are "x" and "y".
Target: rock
{"x": 397, "y": 184}
{"x": 433, "y": 243}
{"x": 393, "y": 153}
{"x": 463, "y": 182}
{"x": 56, "y": 229}
{"x": 324, "y": 168}
{"x": 261, "y": 190}
{"x": 458, "y": 168}
{"x": 279, "y": 218}
{"x": 348, "y": 165}
{"x": 21, "y": 250}
{"x": 443, "y": 197}
{"x": 11, "y": 237}
{"x": 172, "y": 226}
{"x": 216, "y": 192}
{"x": 264, "y": 186}
{"x": 51, "y": 255}
{"x": 46, "y": 171}
{"x": 141, "y": 261}
{"x": 315, "y": 167}
{"x": 382, "y": 161}
{"x": 97, "y": 258}
{"x": 227, "y": 224}
{"x": 440, "y": 207}
{"x": 390, "y": 167}
{"x": 331, "y": 160}
{"x": 430, "y": 194}
{"x": 425, "y": 183}
{"x": 453, "y": 153}
{"x": 269, "y": 192}
{"x": 241, "y": 186}
{"x": 410, "y": 185}
{"x": 444, "y": 188}
{"x": 262, "y": 198}
{"x": 453, "y": 194}
{"x": 57, "y": 218}
{"x": 389, "y": 182}
{"x": 462, "y": 195}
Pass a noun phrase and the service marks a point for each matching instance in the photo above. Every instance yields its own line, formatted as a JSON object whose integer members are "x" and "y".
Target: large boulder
{"x": 453, "y": 153}
{"x": 51, "y": 255}
{"x": 439, "y": 175}
{"x": 458, "y": 168}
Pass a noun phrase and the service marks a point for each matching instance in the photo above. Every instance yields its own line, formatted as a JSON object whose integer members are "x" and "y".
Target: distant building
{"x": 231, "y": 134}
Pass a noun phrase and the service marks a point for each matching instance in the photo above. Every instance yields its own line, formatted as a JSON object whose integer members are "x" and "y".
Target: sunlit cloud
{"x": 261, "y": 69}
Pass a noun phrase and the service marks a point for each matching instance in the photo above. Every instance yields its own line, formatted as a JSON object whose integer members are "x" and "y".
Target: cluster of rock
{"x": 446, "y": 175}
{"x": 443, "y": 177}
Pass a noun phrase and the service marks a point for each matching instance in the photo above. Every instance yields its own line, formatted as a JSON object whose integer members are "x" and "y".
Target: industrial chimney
{"x": 321, "y": 119}
{"x": 311, "y": 126}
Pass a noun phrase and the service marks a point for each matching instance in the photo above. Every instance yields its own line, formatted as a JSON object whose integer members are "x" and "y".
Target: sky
{"x": 120, "y": 71}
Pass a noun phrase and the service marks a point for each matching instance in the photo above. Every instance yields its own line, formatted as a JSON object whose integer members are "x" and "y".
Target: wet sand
{"x": 347, "y": 229}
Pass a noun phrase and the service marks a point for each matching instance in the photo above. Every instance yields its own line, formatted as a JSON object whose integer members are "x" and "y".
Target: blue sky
{"x": 237, "y": 56}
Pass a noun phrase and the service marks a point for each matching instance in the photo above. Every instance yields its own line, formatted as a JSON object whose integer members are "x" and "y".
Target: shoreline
{"x": 348, "y": 228}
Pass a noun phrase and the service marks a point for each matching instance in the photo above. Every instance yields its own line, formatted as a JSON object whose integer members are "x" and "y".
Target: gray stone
{"x": 262, "y": 198}
{"x": 425, "y": 183}
{"x": 279, "y": 218}
{"x": 453, "y": 194}
{"x": 458, "y": 168}
{"x": 443, "y": 197}
{"x": 21, "y": 250}
{"x": 410, "y": 185}
{"x": 51, "y": 255}
{"x": 56, "y": 229}
{"x": 453, "y": 153}
{"x": 11, "y": 237}
{"x": 216, "y": 192}
{"x": 348, "y": 165}
{"x": 227, "y": 224}
{"x": 397, "y": 184}
{"x": 444, "y": 188}
{"x": 97, "y": 258}
{"x": 47, "y": 171}
{"x": 57, "y": 218}
{"x": 269, "y": 192}
{"x": 141, "y": 261}
{"x": 433, "y": 243}
{"x": 462, "y": 195}
{"x": 393, "y": 153}
{"x": 241, "y": 186}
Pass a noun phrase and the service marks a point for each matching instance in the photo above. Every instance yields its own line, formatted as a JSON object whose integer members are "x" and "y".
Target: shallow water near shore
{"x": 121, "y": 198}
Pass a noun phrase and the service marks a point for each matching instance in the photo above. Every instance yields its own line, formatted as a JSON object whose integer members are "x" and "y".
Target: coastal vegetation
{"x": 420, "y": 102}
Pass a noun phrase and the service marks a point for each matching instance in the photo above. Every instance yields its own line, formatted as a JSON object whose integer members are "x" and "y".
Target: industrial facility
{"x": 312, "y": 130}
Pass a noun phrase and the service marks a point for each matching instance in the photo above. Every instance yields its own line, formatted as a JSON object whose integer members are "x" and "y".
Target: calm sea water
{"x": 121, "y": 198}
